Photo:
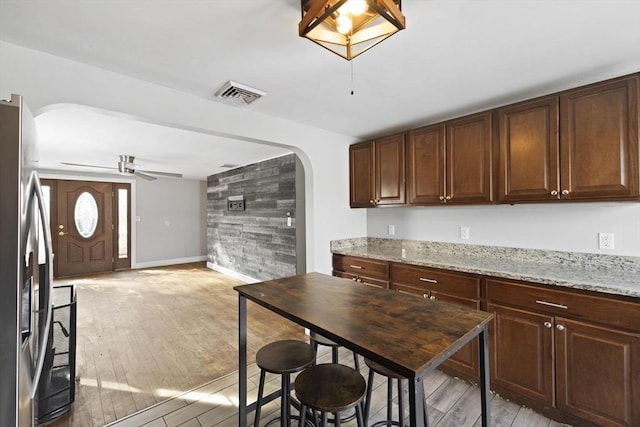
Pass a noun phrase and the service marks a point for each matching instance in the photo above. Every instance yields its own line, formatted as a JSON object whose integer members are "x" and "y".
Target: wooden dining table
{"x": 404, "y": 333}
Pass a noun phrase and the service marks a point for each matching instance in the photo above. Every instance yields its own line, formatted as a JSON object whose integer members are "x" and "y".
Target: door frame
{"x": 49, "y": 178}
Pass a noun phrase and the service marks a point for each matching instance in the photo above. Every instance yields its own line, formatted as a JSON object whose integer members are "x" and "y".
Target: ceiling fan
{"x": 126, "y": 166}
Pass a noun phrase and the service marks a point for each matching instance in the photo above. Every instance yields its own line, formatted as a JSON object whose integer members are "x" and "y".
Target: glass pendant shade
{"x": 350, "y": 27}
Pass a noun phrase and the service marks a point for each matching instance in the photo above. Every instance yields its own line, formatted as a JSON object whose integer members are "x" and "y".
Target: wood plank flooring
{"x": 451, "y": 402}
{"x": 158, "y": 347}
{"x": 146, "y": 335}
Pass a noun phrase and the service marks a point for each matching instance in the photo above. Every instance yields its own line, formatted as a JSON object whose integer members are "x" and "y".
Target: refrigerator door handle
{"x": 35, "y": 190}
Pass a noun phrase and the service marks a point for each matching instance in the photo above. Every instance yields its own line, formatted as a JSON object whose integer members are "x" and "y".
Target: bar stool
{"x": 330, "y": 388}
{"x": 317, "y": 339}
{"x": 284, "y": 358}
{"x": 375, "y": 368}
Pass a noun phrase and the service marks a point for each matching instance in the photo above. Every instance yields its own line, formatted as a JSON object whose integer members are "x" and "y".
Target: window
{"x": 86, "y": 215}
{"x": 123, "y": 223}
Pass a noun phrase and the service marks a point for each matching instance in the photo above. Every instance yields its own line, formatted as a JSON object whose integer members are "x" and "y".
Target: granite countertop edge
{"x": 625, "y": 283}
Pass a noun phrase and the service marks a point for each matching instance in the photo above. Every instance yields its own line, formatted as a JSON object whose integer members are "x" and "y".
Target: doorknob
{"x": 61, "y": 227}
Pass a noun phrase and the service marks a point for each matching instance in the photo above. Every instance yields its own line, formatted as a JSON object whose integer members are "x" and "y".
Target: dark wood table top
{"x": 405, "y": 333}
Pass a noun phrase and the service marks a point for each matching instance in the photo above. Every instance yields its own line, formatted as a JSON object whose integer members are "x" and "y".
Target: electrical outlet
{"x": 464, "y": 233}
{"x": 605, "y": 240}
{"x": 392, "y": 229}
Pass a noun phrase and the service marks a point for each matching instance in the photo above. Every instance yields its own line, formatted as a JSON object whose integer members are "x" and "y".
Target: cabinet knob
{"x": 425, "y": 296}
{"x": 547, "y": 325}
{"x": 554, "y": 193}
{"x": 441, "y": 197}
{"x": 371, "y": 201}
{"x": 433, "y": 297}
{"x": 565, "y": 192}
{"x": 449, "y": 197}
{"x": 560, "y": 327}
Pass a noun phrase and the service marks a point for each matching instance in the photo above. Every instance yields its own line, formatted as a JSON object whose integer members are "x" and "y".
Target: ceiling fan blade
{"x": 86, "y": 166}
{"x": 144, "y": 176}
{"x": 173, "y": 175}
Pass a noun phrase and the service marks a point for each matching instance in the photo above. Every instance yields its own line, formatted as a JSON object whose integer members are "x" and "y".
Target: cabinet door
{"x": 361, "y": 175}
{"x": 599, "y": 141}
{"x": 425, "y": 165}
{"x": 468, "y": 160}
{"x": 522, "y": 352}
{"x": 598, "y": 373}
{"x": 466, "y": 359}
{"x": 389, "y": 171}
{"x": 528, "y": 165}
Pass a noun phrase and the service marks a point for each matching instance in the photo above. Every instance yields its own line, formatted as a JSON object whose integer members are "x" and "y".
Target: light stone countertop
{"x": 610, "y": 274}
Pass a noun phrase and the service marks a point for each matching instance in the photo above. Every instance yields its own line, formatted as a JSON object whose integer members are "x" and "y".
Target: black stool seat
{"x": 379, "y": 369}
{"x": 285, "y": 357}
{"x": 330, "y": 387}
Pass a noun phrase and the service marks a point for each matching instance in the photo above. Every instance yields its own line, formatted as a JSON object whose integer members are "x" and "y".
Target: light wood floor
{"x": 451, "y": 402}
{"x": 158, "y": 347}
{"x": 147, "y": 335}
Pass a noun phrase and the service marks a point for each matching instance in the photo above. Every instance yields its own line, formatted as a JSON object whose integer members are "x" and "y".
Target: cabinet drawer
{"x": 576, "y": 304}
{"x": 361, "y": 266}
{"x": 364, "y": 280}
{"x": 434, "y": 280}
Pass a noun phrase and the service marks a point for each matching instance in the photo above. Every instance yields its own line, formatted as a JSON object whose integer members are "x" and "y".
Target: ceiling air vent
{"x": 238, "y": 94}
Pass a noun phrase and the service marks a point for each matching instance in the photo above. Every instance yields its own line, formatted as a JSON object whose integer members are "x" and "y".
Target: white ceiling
{"x": 455, "y": 57}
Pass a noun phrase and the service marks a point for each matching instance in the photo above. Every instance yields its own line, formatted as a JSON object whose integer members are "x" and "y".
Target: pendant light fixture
{"x": 350, "y": 27}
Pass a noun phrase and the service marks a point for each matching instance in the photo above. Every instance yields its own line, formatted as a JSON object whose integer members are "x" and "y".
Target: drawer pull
{"x": 424, "y": 279}
{"x": 551, "y": 304}
{"x": 356, "y": 267}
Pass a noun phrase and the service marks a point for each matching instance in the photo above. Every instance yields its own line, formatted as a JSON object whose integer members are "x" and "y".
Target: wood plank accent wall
{"x": 257, "y": 241}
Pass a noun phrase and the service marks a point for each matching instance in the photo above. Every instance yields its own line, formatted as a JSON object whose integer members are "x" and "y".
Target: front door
{"x": 84, "y": 227}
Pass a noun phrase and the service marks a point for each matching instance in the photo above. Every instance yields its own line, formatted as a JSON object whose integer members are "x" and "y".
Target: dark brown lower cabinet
{"x": 522, "y": 352}
{"x": 581, "y": 368}
{"x": 456, "y": 288}
{"x": 362, "y": 270}
{"x": 598, "y": 373}
{"x": 572, "y": 355}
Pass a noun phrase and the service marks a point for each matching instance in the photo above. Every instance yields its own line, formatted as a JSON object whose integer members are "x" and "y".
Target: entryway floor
{"x": 147, "y": 335}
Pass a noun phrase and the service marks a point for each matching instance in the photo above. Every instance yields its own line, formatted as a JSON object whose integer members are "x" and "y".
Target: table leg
{"x": 483, "y": 344}
{"x": 417, "y": 405}
{"x": 242, "y": 361}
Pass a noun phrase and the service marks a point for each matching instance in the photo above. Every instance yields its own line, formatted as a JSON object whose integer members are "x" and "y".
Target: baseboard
{"x": 234, "y": 274}
{"x": 162, "y": 263}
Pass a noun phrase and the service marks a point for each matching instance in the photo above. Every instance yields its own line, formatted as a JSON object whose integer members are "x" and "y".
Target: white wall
{"x": 565, "y": 227}
{"x": 47, "y": 81}
{"x": 173, "y": 221}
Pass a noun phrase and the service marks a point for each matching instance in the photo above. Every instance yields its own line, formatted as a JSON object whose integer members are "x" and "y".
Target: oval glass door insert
{"x": 85, "y": 215}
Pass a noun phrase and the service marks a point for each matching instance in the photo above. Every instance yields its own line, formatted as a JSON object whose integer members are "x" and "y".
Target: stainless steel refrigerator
{"x": 25, "y": 266}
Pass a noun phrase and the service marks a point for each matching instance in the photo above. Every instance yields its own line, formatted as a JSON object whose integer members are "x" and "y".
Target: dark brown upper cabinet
{"x": 580, "y": 145}
{"x": 529, "y": 156}
{"x": 450, "y": 162}
{"x": 468, "y": 160}
{"x": 426, "y": 165}
{"x": 377, "y": 172}
{"x": 361, "y": 175}
{"x": 599, "y": 141}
